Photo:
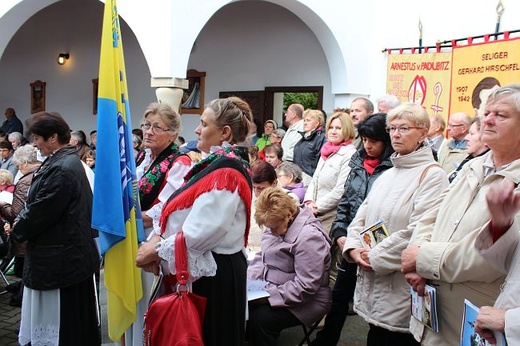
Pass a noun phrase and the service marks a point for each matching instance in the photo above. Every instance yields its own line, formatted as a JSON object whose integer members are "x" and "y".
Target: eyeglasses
{"x": 155, "y": 128}
{"x": 456, "y": 125}
{"x": 402, "y": 129}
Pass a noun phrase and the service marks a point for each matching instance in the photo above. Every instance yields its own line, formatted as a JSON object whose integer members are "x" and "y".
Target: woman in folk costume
{"x": 213, "y": 210}
{"x": 159, "y": 174}
{"x": 164, "y": 167}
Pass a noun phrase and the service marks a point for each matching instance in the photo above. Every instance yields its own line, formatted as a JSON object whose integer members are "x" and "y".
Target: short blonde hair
{"x": 315, "y": 115}
{"x": 412, "y": 112}
{"x": 273, "y": 204}
{"x": 347, "y": 127}
{"x": 6, "y": 177}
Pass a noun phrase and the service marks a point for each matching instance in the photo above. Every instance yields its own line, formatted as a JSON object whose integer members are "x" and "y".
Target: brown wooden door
{"x": 256, "y": 100}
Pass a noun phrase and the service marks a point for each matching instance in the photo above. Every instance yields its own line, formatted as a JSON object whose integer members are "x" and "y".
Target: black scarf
{"x": 153, "y": 179}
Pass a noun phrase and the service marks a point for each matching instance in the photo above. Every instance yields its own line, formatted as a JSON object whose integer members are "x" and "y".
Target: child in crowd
{"x": 90, "y": 159}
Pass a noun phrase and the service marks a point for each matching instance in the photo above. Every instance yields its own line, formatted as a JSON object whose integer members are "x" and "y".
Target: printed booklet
{"x": 468, "y": 335}
{"x": 424, "y": 308}
{"x": 255, "y": 289}
{"x": 374, "y": 235}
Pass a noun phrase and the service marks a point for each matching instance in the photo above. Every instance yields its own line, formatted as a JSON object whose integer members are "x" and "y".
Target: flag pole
{"x": 116, "y": 213}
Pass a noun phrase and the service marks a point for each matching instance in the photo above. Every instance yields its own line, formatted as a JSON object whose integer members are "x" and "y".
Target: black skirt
{"x": 224, "y": 321}
{"x": 78, "y": 321}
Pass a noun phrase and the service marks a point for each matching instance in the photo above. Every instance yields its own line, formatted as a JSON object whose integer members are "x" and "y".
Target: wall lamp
{"x": 62, "y": 58}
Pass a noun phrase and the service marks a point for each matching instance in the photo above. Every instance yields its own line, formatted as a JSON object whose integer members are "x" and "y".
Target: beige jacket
{"x": 398, "y": 198}
{"x": 447, "y": 255}
{"x": 328, "y": 184}
{"x": 505, "y": 255}
{"x": 450, "y": 158}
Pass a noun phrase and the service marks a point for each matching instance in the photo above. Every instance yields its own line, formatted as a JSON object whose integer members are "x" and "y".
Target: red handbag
{"x": 176, "y": 319}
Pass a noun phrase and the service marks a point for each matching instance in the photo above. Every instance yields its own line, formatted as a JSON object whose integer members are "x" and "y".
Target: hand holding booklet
{"x": 373, "y": 235}
{"x": 424, "y": 308}
{"x": 468, "y": 335}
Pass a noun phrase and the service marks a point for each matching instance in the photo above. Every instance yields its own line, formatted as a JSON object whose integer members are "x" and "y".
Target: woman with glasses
{"x": 290, "y": 176}
{"x": 212, "y": 209}
{"x": 164, "y": 167}
{"x": 398, "y": 199}
{"x": 160, "y": 174}
{"x": 470, "y": 218}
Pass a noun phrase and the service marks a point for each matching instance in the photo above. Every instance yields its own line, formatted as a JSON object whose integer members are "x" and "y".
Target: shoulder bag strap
{"x": 423, "y": 174}
{"x": 181, "y": 259}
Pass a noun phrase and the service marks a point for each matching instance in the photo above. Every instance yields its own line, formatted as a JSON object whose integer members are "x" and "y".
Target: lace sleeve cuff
{"x": 199, "y": 264}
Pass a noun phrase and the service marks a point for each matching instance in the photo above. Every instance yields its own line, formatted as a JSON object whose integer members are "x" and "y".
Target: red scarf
{"x": 370, "y": 164}
{"x": 328, "y": 148}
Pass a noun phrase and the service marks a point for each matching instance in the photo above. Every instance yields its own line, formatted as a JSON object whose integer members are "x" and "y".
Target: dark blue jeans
{"x": 342, "y": 294}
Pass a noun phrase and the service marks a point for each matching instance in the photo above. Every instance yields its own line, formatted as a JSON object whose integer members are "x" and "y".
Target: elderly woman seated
{"x": 290, "y": 177}
{"x": 294, "y": 261}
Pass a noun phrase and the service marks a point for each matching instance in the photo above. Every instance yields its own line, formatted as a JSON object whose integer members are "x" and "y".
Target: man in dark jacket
{"x": 12, "y": 123}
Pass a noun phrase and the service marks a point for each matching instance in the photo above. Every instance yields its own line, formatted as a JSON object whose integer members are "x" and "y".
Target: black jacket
{"x": 357, "y": 186}
{"x": 307, "y": 151}
{"x": 56, "y": 225}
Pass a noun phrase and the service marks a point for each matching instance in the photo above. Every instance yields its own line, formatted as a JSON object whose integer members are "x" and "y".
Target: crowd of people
{"x": 290, "y": 210}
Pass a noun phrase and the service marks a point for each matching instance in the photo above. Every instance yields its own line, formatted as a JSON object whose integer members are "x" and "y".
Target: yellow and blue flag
{"x": 116, "y": 213}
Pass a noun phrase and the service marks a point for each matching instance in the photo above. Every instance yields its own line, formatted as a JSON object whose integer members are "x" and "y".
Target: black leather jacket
{"x": 357, "y": 186}
{"x": 56, "y": 225}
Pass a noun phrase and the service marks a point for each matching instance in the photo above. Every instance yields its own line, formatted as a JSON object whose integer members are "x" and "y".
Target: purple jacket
{"x": 298, "y": 190}
{"x": 297, "y": 268}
